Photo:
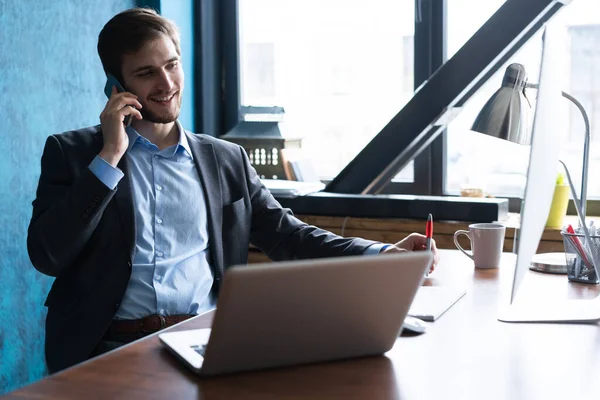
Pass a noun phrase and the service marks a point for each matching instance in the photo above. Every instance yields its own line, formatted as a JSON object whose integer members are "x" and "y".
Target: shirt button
{"x": 159, "y": 278}
{"x": 158, "y": 187}
{"x": 156, "y": 156}
{"x": 158, "y": 220}
{"x": 159, "y": 253}
{"x": 162, "y": 312}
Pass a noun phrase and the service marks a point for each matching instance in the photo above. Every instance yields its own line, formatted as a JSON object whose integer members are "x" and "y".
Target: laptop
{"x": 297, "y": 312}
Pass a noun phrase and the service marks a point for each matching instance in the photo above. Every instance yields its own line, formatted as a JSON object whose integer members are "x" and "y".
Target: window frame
{"x": 429, "y": 54}
{"x": 218, "y": 61}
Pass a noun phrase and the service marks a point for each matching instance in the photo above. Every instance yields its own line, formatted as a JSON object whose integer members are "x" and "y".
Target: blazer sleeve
{"x": 66, "y": 211}
{"x": 281, "y": 236}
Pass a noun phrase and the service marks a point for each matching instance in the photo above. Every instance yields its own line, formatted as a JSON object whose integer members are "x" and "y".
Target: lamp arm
{"x": 586, "y": 152}
{"x": 586, "y": 145}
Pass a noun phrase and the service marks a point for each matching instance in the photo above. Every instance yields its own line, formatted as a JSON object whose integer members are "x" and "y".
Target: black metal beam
{"x": 207, "y": 61}
{"x": 217, "y": 69}
{"x": 439, "y": 56}
{"x": 230, "y": 45}
{"x": 429, "y": 53}
{"x": 418, "y": 123}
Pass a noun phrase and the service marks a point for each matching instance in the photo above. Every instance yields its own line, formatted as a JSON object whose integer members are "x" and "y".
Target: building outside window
{"x": 338, "y": 67}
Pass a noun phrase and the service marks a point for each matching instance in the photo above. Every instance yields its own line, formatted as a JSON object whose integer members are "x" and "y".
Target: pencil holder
{"x": 578, "y": 253}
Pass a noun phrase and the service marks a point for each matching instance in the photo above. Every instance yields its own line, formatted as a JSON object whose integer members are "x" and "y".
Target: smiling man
{"x": 138, "y": 223}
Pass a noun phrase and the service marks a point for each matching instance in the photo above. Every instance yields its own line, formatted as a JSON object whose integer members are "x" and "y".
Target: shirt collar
{"x": 183, "y": 141}
{"x": 134, "y": 136}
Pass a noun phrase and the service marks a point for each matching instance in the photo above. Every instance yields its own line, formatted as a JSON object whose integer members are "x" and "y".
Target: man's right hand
{"x": 119, "y": 106}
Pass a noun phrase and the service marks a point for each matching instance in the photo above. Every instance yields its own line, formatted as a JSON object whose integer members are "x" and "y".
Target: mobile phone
{"x": 110, "y": 82}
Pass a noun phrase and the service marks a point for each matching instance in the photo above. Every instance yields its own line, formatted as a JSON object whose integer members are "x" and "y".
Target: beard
{"x": 164, "y": 116}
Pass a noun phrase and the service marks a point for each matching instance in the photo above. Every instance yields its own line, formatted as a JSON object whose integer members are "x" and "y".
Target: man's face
{"x": 154, "y": 74}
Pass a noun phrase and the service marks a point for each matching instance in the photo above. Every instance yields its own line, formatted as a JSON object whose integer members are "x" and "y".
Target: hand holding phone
{"x": 110, "y": 82}
{"x": 121, "y": 107}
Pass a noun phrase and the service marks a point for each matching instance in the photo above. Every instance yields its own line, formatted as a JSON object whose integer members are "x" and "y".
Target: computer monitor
{"x": 516, "y": 306}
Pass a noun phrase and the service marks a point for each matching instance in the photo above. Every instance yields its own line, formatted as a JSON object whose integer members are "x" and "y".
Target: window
{"x": 260, "y": 73}
{"x": 408, "y": 52}
{"x": 341, "y": 69}
{"x": 469, "y": 162}
{"x": 585, "y": 87}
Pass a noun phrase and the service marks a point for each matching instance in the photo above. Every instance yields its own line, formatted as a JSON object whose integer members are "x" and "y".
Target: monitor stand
{"x": 567, "y": 311}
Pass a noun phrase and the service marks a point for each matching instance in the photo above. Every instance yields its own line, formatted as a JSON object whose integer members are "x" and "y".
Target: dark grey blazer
{"x": 83, "y": 233}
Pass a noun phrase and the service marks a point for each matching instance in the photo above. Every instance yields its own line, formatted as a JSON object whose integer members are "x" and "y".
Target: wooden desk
{"x": 466, "y": 354}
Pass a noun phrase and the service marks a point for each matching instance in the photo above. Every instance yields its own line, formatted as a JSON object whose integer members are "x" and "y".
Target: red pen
{"x": 578, "y": 245}
{"x": 429, "y": 232}
{"x": 428, "y": 235}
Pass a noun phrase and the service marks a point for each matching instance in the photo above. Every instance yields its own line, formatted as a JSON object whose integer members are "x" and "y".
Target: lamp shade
{"x": 506, "y": 113}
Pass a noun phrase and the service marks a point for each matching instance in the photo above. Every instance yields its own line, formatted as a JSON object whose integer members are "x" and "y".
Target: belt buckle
{"x": 161, "y": 318}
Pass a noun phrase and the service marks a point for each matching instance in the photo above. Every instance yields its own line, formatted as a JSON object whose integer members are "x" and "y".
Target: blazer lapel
{"x": 206, "y": 163}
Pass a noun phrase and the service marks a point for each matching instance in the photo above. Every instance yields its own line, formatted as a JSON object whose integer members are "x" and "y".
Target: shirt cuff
{"x": 375, "y": 249}
{"x": 107, "y": 174}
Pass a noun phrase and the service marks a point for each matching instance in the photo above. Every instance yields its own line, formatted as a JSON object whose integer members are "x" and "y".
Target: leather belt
{"x": 137, "y": 328}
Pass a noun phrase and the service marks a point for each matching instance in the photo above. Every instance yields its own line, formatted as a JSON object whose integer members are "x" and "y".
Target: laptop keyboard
{"x": 199, "y": 348}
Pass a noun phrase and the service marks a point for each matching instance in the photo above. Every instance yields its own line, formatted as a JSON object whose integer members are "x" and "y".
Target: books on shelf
{"x": 298, "y": 166}
{"x": 302, "y": 178}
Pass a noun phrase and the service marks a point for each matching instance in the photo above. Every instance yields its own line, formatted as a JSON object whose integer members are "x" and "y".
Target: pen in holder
{"x": 585, "y": 253}
{"x": 580, "y": 260}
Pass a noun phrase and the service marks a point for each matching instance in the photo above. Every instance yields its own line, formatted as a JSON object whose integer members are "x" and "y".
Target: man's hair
{"x": 127, "y": 32}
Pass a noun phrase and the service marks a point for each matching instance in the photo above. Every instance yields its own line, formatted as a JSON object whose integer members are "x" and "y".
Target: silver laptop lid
{"x": 288, "y": 313}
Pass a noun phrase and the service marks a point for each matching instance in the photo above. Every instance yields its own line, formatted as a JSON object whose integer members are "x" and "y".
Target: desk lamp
{"x": 504, "y": 116}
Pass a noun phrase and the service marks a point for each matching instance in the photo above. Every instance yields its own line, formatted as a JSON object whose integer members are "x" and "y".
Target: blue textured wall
{"x": 51, "y": 80}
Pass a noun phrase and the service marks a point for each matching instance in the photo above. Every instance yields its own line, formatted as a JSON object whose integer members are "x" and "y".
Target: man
{"x": 138, "y": 223}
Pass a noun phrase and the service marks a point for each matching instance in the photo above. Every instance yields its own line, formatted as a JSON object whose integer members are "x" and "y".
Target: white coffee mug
{"x": 487, "y": 242}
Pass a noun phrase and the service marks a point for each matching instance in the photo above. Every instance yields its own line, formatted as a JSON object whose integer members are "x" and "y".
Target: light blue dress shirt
{"x": 171, "y": 267}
